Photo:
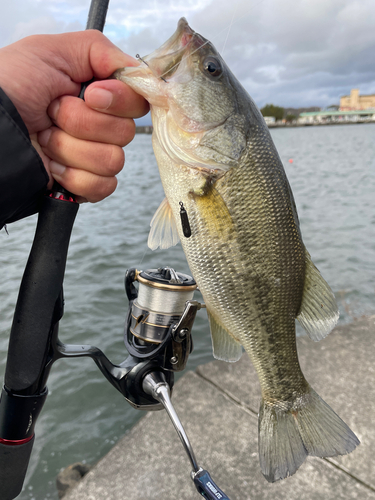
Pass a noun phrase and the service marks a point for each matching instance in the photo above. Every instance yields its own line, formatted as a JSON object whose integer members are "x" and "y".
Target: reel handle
{"x": 155, "y": 384}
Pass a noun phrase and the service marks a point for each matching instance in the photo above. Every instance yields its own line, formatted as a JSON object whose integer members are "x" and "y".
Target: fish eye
{"x": 212, "y": 66}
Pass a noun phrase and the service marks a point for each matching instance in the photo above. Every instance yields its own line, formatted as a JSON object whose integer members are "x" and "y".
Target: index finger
{"x": 115, "y": 98}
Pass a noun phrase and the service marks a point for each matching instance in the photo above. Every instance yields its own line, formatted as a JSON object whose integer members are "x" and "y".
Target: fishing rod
{"x": 38, "y": 311}
{"x": 157, "y": 336}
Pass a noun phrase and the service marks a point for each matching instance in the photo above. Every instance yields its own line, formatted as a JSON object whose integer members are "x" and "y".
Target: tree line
{"x": 277, "y": 112}
{"x": 289, "y": 114}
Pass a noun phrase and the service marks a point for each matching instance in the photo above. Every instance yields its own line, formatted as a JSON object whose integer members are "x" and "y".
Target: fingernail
{"x": 56, "y": 168}
{"x": 43, "y": 137}
{"x": 53, "y": 109}
{"x": 100, "y": 99}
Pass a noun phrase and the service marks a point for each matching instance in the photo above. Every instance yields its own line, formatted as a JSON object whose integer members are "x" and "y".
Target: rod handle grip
{"x": 40, "y": 289}
{"x": 14, "y": 460}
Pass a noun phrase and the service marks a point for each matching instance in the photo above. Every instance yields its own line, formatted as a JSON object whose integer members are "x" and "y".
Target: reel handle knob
{"x": 206, "y": 486}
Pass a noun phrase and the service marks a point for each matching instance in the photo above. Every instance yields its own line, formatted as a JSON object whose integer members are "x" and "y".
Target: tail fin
{"x": 288, "y": 432}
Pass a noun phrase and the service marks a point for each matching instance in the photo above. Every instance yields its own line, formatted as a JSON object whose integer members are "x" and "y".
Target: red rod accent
{"x": 62, "y": 197}
{"x": 15, "y": 442}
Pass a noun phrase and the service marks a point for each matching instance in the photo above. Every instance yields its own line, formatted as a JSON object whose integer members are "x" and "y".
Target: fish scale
{"x": 216, "y": 157}
{"x": 229, "y": 296}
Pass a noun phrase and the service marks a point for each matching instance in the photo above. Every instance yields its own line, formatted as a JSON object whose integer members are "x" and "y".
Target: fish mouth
{"x": 165, "y": 60}
{"x": 149, "y": 78}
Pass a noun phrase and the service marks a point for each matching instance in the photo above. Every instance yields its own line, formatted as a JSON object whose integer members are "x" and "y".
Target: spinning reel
{"x": 158, "y": 338}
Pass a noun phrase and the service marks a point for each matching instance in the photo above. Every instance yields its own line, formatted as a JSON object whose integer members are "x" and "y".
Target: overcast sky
{"x": 292, "y": 53}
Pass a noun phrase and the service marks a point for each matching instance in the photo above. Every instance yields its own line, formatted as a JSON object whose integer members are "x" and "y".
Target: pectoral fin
{"x": 319, "y": 313}
{"x": 163, "y": 233}
{"x": 225, "y": 347}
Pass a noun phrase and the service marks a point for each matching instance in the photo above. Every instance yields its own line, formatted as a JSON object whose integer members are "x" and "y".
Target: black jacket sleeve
{"x": 23, "y": 178}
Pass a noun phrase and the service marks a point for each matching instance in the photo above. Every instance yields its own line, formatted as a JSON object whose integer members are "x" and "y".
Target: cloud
{"x": 42, "y": 25}
{"x": 21, "y": 18}
{"x": 152, "y": 14}
{"x": 279, "y": 44}
{"x": 289, "y": 53}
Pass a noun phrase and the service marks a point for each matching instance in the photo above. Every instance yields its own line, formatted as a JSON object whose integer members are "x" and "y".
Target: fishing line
{"x": 213, "y": 38}
{"x": 163, "y": 301}
{"x": 144, "y": 255}
{"x": 230, "y": 26}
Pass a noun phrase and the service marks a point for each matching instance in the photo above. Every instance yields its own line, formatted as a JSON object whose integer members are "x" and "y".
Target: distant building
{"x": 144, "y": 129}
{"x": 354, "y": 101}
{"x": 322, "y": 117}
{"x": 269, "y": 119}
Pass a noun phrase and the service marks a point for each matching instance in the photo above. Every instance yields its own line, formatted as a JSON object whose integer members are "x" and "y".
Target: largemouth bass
{"x": 229, "y": 202}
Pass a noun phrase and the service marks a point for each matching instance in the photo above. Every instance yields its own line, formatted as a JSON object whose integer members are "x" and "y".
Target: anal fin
{"x": 163, "y": 233}
{"x": 318, "y": 313}
{"x": 224, "y": 346}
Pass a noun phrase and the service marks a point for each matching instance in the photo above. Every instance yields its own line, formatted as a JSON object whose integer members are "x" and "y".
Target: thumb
{"x": 89, "y": 54}
{"x": 38, "y": 69}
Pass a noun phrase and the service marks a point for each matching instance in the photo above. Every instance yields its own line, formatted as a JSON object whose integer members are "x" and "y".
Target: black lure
{"x": 185, "y": 221}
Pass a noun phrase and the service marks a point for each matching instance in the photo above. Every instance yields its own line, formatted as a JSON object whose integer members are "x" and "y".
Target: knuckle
{"x": 56, "y": 141}
{"x": 122, "y": 131}
{"x": 129, "y": 131}
{"x": 114, "y": 159}
{"x": 63, "y": 117}
{"x": 90, "y": 186}
{"x": 72, "y": 119}
{"x": 102, "y": 189}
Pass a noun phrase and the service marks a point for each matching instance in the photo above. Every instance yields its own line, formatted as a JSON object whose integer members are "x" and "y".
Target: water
{"x": 333, "y": 179}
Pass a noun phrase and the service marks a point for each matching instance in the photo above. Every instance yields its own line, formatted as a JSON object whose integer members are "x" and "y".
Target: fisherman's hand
{"x": 80, "y": 142}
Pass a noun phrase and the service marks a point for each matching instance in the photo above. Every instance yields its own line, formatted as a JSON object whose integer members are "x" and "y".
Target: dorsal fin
{"x": 318, "y": 313}
{"x": 163, "y": 233}
{"x": 225, "y": 347}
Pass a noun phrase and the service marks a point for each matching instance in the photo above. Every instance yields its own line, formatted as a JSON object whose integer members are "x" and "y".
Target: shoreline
{"x": 147, "y": 129}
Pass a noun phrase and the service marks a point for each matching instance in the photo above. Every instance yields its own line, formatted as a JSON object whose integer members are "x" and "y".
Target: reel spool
{"x": 160, "y": 303}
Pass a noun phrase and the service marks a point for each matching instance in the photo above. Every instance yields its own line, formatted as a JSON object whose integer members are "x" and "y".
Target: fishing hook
{"x": 140, "y": 58}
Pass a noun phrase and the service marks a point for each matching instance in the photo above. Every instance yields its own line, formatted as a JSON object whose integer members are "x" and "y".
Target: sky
{"x": 291, "y": 53}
